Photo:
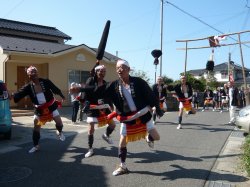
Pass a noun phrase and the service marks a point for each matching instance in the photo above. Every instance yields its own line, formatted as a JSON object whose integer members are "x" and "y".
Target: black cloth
{"x": 95, "y": 95}
{"x": 208, "y": 94}
{"x": 179, "y": 92}
{"x": 48, "y": 88}
{"x": 160, "y": 92}
{"x": 141, "y": 93}
{"x": 242, "y": 99}
{"x": 234, "y": 99}
{"x": 75, "y": 109}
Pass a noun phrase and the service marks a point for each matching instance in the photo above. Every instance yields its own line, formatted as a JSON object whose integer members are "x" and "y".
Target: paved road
{"x": 181, "y": 158}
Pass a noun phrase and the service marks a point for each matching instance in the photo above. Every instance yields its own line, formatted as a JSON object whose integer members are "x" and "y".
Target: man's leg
{"x": 180, "y": 117}
{"x": 232, "y": 113}
{"x": 35, "y": 137}
{"x": 80, "y": 118}
{"x": 75, "y": 110}
{"x": 109, "y": 130}
{"x": 91, "y": 131}
{"x": 59, "y": 127}
{"x": 204, "y": 106}
{"x": 122, "y": 154}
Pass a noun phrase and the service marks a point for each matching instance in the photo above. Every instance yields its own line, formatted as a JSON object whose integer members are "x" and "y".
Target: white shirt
{"x": 127, "y": 94}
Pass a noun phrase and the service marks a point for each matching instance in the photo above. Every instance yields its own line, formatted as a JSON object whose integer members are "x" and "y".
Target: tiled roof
{"x": 108, "y": 55}
{"x": 196, "y": 72}
{"x": 32, "y": 28}
{"x": 219, "y": 67}
{"x": 41, "y": 47}
{"x": 31, "y": 46}
{"x": 241, "y": 81}
{"x": 224, "y": 66}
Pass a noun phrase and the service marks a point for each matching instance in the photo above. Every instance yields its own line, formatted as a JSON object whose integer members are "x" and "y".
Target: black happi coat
{"x": 48, "y": 89}
{"x": 205, "y": 94}
{"x": 234, "y": 99}
{"x": 156, "y": 91}
{"x": 141, "y": 93}
{"x": 179, "y": 92}
{"x": 95, "y": 93}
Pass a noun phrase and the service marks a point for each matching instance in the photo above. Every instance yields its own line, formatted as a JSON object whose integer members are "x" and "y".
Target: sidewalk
{"x": 228, "y": 164}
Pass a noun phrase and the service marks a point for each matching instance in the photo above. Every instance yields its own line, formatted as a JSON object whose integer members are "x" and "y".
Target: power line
{"x": 13, "y": 8}
{"x": 247, "y": 4}
{"x": 198, "y": 19}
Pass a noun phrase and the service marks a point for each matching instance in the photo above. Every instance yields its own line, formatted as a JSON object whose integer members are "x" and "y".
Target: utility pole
{"x": 161, "y": 36}
{"x": 229, "y": 61}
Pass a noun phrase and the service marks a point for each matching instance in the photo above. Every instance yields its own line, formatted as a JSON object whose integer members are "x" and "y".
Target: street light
{"x": 156, "y": 54}
{"x": 161, "y": 36}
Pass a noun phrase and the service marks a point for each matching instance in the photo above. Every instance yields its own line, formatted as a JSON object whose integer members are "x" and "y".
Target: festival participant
{"x": 74, "y": 101}
{"x": 224, "y": 98}
{"x": 133, "y": 99}
{"x": 208, "y": 98}
{"x": 184, "y": 95}
{"x": 81, "y": 98}
{"x": 242, "y": 97}
{"x": 233, "y": 93}
{"x": 99, "y": 107}
{"x": 160, "y": 92}
{"x": 41, "y": 93}
{"x": 195, "y": 99}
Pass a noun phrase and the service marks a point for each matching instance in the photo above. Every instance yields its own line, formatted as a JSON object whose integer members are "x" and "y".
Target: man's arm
{"x": 55, "y": 89}
{"x": 151, "y": 98}
{"x": 21, "y": 93}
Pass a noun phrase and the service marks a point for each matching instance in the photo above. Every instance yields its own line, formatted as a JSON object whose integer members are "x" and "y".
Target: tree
{"x": 212, "y": 81}
{"x": 197, "y": 84}
{"x": 167, "y": 80}
{"x": 140, "y": 73}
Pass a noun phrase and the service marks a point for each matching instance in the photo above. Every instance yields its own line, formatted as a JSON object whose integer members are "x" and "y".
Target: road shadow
{"x": 200, "y": 126}
{"x": 180, "y": 172}
{"x": 160, "y": 156}
{"x": 56, "y": 164}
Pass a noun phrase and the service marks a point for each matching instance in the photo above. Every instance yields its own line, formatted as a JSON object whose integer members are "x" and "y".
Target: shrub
{"x": 246, "y": 155}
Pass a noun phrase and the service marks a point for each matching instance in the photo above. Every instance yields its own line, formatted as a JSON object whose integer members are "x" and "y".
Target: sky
{"x": 135, "y": 28}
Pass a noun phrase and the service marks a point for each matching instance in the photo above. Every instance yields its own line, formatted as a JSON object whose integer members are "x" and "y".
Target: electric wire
{"x": 201, "y": 21}
{"x": 13, "y": 8}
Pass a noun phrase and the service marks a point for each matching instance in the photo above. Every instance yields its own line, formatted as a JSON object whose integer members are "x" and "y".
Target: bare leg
{"x": 154, "y": 134}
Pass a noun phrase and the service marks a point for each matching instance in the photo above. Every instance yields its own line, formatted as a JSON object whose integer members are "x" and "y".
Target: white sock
{"x": 123, "y": 165}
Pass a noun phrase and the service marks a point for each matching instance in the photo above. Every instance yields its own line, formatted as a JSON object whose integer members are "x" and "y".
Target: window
{"x": 224, "y": 75}
{"x": 77, "y": 76}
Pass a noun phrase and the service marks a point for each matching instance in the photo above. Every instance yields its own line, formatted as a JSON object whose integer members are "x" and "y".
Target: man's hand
{"x": 159, "y": 112}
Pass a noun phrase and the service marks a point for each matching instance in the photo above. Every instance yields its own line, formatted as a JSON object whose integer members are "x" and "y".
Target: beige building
{"x": 24, "y": 44}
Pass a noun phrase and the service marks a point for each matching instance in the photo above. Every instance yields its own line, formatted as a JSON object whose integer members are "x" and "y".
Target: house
{"x": 221, "y": 73}
{"x": 24, "y": 44}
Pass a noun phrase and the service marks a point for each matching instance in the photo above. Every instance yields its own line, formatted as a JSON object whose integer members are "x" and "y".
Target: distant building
{"x": 221, "y": 73}
{"x": 24, "y": 44}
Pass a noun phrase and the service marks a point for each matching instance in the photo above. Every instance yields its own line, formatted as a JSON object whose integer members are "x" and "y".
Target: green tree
{"x": 140, "y": 73}
{"x": 212, "y": 81}
{"x": 167, "y": 80}
{"x": 197, "y": 84}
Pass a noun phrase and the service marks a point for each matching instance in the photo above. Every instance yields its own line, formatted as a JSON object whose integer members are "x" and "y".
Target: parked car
{"x": 242, "y": 121}
{"x": 5, "y": 113}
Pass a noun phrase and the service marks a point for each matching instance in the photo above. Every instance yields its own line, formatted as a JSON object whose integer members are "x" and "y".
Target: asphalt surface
{"x": 197, "y": 155}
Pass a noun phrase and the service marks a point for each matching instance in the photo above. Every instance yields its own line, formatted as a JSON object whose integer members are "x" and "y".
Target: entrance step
{"x": 21, "y": 112}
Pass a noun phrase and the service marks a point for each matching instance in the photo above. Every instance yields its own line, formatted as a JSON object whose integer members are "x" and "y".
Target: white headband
{"x": 182, "y": 77}
{"x": 31, "y": 68}
{"x": 124, "y": 62}
{"x": 99, "y": 67}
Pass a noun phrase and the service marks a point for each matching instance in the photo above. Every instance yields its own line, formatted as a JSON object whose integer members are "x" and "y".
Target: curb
{"x": 228, "y": 164}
